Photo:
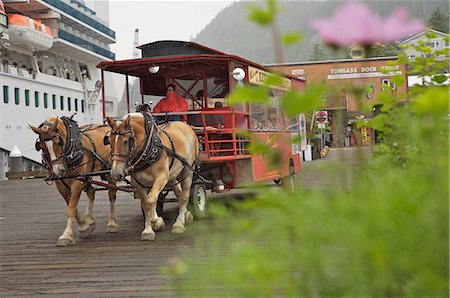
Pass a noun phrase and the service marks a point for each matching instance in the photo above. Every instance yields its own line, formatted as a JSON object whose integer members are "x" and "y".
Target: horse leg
{"x": 112, "y": 226}
{"x": 148, "y": 203}
{"x": 65, "y": 193}
{"x": 88, "y": 226}
{"x": 67, "y": 237}
{"x": 182, "y": 193}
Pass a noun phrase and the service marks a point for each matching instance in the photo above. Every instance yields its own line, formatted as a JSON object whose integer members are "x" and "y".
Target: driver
{"x": 172, "y": 103}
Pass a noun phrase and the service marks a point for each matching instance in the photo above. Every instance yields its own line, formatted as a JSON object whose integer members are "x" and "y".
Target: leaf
{"x": 431, "y": 35}
{"x": 266, "y": 151}
{"x": 435, "y": 101}
{"x": 294, "y": 102}
{"x": 440, "y": 78}
{"x": 398, "y": 80}
{"x": 260, "y": 16}
{"x": 250, "y": 94}
{"x": 273, "y": 80}
{"x": 291, "y": 38}
{"x": 379, "y": 122}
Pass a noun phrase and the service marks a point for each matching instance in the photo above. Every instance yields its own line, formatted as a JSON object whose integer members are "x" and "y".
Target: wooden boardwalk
{"x": 32, "y": 216}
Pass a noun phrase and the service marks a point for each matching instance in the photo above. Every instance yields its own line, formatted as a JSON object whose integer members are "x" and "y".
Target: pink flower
{"x": 355, "y": 23}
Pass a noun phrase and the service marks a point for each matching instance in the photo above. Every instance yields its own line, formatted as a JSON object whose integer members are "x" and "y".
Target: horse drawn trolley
{"x": 205, "y": 77}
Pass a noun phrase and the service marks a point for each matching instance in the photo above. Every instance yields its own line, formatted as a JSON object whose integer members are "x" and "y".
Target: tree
{"x": 383, "y": 51}
{"x": 317, "y": 53}
{"x": 438, "y": 20}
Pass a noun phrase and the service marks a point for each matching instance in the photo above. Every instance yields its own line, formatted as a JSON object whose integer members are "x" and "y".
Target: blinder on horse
{"x": 106, "y": 141}
{"x": 37, "y": 145}
{"x": 72, "y": 148}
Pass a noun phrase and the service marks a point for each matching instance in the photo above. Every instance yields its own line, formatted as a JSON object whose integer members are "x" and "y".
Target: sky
{"x": 158, "y": 20}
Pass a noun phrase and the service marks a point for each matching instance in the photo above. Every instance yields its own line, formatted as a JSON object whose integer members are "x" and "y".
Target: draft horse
{"x": 70, "y": 150}
{"x": 155, "y": 157}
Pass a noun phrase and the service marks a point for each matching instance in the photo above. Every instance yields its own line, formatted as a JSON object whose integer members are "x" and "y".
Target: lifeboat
{"x": 29, "y": 33}
{"x": 3, "y": 18}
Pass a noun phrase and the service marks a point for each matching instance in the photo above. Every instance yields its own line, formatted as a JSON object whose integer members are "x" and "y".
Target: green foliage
{"x": 439, "y": 104}
{"x": 263, "y": 16}
{"x": 387, "y": 235}
{"x": 294, "y": 102}
{"x": 291, "y": 38}
{"x": 250, "y": 94}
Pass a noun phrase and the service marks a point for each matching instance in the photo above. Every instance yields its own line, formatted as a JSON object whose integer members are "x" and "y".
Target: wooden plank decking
{"x": 32, "y": 216}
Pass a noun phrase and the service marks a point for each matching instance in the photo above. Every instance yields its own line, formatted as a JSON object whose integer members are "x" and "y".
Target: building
{"x": 353, "y": 83}
{"x": 436, "y": 43}
{"x": 357, "y": 51}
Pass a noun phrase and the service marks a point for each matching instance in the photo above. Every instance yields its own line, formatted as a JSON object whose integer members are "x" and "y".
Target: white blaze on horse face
{"x": 117, "y": 167}
{"x": 58, "y": 168}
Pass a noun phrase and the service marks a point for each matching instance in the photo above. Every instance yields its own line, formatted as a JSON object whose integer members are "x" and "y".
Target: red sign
{"x": 322, "y": 116}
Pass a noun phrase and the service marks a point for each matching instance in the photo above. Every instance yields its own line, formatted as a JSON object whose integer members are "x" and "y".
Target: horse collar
{"x": 151, "y": 150}
{"x": 73, "y": 149}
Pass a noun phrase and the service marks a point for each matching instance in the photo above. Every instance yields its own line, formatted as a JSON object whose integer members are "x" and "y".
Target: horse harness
{"x": 151, "y": 150}
{"x": 148, "y": 154}
{"x": 73, "y": 148}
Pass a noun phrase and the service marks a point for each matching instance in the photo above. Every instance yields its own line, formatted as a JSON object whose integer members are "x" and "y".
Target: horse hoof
{"x": 113, "y": 229}
{"x": 65, "y": 242}
{"x": 188, "y": 217}
{"x": 178, "y": 229}
{"x": 86, "y": 232}
{"x": 148, "y": 236}
{"x": 158, "y": 225}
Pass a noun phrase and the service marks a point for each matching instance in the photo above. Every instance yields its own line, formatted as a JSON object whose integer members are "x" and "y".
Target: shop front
{"x": 352, "y": 86}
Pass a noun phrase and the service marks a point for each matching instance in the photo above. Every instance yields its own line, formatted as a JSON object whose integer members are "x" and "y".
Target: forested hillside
{"x": 231, "y": 32}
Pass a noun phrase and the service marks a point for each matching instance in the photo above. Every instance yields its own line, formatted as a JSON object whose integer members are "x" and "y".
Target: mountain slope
{"x": 231, "y": 31}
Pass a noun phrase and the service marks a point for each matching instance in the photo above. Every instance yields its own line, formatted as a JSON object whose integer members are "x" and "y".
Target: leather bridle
{"x": 72, "y": 149}
{"x": 47, "y": 160}
{"x": 124, "y": 157}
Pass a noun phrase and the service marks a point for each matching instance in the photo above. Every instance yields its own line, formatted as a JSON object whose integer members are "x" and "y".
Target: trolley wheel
{"x": 197, "y": 201}
{"x": 277, "y": 181}
{"x": 288, "y": 183}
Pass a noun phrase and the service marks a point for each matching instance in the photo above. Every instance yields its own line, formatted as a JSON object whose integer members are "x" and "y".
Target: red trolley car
{"x": 205, "y": 77}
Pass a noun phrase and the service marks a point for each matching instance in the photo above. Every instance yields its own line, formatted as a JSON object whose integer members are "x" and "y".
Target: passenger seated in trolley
{"x": 170, "y": 104}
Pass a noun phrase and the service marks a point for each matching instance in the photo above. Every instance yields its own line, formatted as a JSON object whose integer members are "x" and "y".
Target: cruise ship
{"x": 49, "y": 50}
